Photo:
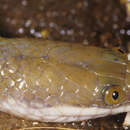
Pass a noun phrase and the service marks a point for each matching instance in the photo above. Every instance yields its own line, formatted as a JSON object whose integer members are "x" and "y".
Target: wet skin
{"x": 62, "y": 82}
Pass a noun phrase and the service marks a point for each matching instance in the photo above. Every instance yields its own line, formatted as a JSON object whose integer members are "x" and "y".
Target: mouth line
{"x": 61, "y": 113}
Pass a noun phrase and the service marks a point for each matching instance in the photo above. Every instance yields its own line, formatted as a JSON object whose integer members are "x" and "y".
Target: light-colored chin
{"x": 128, "y": 56}
{"x": 59, "y": 113}
{"x": 127, "y": 119}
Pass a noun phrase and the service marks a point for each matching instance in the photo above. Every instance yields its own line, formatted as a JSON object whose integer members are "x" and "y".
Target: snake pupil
{"x": 115, "y": 95}
{"x": 121, "y": 51}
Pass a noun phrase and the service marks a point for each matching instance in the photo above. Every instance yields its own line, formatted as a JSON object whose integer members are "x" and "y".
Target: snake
{"x": 53, "y": 81}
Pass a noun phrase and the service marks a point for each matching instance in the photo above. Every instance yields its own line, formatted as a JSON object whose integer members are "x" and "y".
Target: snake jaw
{"x": 60, "y": 113}
{"x": 127, "y": 120}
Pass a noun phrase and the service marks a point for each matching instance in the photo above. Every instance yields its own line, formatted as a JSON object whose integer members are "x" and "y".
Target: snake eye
{"x": 113, "y": 95}
{"x": 119, "y": 51}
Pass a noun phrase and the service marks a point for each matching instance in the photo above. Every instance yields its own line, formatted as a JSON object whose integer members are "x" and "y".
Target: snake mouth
{"x": 60, "y": 113}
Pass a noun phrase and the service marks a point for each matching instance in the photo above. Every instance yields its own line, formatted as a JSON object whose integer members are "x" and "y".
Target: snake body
{"x": 54, "y": 81}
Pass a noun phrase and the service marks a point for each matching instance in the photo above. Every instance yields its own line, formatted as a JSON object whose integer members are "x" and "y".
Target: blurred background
{"x": 103, "y": 23}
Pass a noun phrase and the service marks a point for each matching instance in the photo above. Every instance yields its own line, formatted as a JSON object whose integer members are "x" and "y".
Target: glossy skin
{"x": 38, "y": 75}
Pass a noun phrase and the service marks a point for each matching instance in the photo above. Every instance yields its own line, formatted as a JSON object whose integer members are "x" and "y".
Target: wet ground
{"x": 94, "y": 22}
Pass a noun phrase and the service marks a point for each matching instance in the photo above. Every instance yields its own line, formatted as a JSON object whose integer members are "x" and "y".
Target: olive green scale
{"x": 58, "y": 73}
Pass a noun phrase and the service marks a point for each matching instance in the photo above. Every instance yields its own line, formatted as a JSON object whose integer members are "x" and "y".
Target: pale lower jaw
{"x": 127, "y": 119}
{"x": 128, "y": 56}
{"x": 59, "y": 113}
